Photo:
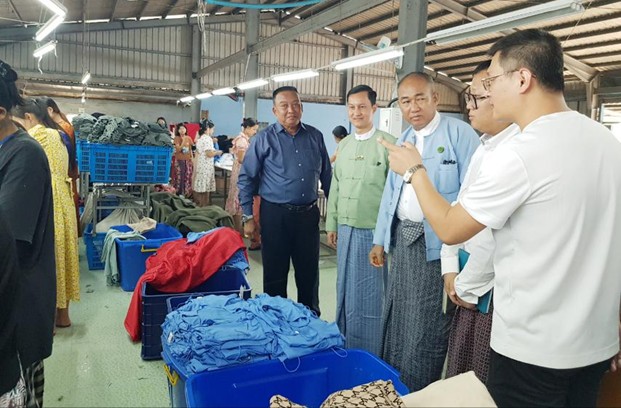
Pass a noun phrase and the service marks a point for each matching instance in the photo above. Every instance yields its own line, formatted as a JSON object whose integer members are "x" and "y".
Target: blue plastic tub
{"x": 132, "y": 255}
{"x": 225, "y": 281}
{"x": 129, "y": 164}
{"x": 94, "y": 246}
{"x": 83, "y": 152}
{"x": 307, "y": 381}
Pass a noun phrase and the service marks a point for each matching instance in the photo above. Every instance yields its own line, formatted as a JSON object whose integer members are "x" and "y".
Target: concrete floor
{"x": 94, "y": 364}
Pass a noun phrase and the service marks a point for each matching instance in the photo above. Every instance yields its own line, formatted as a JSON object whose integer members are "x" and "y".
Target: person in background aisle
{"x": 415, "y": 327}
{"x": 552, "y": 196}
{"x": 162, "y": 122}
{"x": 358, "y": 180}
{"x": 240, "y": 145}
{"x": 183, "y": 168}
{"x": 12, "y": 387}
{"x": 468, "y": 348}
{"x": 27, "y": 206}
{"x": 204, "y": 172}
{"x": 284, "y": 165}
{"x": 33, "y": 116}
{"x": 339, "y": 134}
{"x": 60, "y": 119}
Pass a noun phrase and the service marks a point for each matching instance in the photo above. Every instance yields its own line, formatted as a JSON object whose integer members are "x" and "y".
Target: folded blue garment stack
{"x": 218, "y": 331}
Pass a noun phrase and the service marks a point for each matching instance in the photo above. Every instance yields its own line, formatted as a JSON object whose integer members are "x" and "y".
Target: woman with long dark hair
{"x": 183, "y": 168}
{"x": 35, "y": 119}
{"x": 205, "y": 177}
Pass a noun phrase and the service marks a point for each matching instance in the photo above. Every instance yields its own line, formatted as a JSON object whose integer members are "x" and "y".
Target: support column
{"x": 347, "y": 75}
{"x": 195, "y": 87}
{"x": 412, "y": 26}
{"x": 252, "y": 69}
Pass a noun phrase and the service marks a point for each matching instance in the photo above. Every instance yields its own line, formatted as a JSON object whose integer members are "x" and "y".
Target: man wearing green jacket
{"x": 357, "y": 184}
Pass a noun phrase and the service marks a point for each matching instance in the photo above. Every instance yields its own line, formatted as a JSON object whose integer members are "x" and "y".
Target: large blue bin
{"x": 129, "y": 164}
{"x": 307, "y": 381}
{"x": 132, "y": 255}
{"x": 225, "y": 281}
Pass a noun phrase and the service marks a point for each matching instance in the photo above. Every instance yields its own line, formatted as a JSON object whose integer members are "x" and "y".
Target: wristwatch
{"x": 409, "y": 173}
{"x": 246, "y": 218}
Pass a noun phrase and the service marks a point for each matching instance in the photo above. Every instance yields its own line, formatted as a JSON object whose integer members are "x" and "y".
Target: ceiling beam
{"x": 27, "y": 33}
{"x": 295, "y": 12}
{"x": 113, "y": 8}
{"x": 142, "y": 9}
{"x": 12, "y": 5}
{"x": 169, "y": 8}
{"x": 580, "y": 69}
{"x": 339, "y": 12}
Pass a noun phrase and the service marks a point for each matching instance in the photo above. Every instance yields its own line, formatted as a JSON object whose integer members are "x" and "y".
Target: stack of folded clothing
{"x": 121, "y": 131}
{"x": 218, "y": 331}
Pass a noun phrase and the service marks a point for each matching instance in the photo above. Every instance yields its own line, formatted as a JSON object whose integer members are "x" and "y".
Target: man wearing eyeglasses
{"x": 283, "y": 165}
{"x": 552, "y": 195}
{"x": 415, "y": 328}
{"x": 469, "y": 339}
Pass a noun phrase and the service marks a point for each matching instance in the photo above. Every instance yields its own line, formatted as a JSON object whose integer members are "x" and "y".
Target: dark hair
{"x": 209, "y": 124}
{"x": 481, "y": 67}
{"x": 161, "y": 117}
{"x": 177, "y": 129}
{"x": 284, "y": 89}
{"x": 249, "y": 122}
{"x": 420, "y": 75}
{"x": 363, "y": 88}
{"x": 340, "y": 132}
{"x": 51, "y": 103}
{"x": 38, "y": 108}
{"x": 9, "y": 95}
{"x": 537, "y": 50}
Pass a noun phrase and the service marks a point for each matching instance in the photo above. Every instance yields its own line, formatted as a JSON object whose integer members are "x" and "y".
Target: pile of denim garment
{"x": 121, "y": 131}
{"x": 218, "y": 331}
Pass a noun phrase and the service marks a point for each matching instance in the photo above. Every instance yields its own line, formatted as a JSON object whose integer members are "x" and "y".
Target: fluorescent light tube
{"x": 292, "y": 76}
{"x": 223, "y": 91}
{"x": 204, "y": 95}
{"x": 86, "y": 77}
{"x": 513, "y": 19}
{"x": 255, "y": 83}
{"x": 186, "y": 99}
{"x": 44, "y": 49}
{"x": 367, "y": 58}
{"x": 56, "y": 7}
{"x": 48, "y": 27}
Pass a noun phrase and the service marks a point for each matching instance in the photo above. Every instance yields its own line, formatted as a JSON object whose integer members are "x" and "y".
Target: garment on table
{"x": 27, "y": 204}
{"x": 9, "y": 290}
{"x": 199, "y": 219}
{"x": 415, "y": 328}
{"x": 65, "y": 228}
{"x": 108, "y": 254}
{"x": 283, "y": 168}
{"x": 240, "y": 145}
{"x": 212, "y": 331}
{"x": 165, "y": 203}
{"x": 556, "y": 225}
{"x": 204, "y": 172}
{"x": 468, "y": 347}
{"x": 178, "y": 267}
{"x": 446, "y": 156}
{"x": 359, "y": 290}
{"x": 145, "y": 224}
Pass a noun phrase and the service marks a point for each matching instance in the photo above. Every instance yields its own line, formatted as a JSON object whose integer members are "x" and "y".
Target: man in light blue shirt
{"x": 284, "y": 165}
{"x": 415, "y": 328}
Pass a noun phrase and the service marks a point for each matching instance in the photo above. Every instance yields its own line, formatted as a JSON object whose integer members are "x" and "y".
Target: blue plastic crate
{"x": 132, "y": 255}
{"x": 130, "y": 164}
{"x": 94, "y": 246}
{"x": 83, "y": 151}
{"x": 225, "y": 281}
{"x": 308, "y": 380}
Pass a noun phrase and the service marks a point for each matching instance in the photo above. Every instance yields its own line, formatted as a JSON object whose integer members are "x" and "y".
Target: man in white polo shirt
{"x": 552, "y": 195}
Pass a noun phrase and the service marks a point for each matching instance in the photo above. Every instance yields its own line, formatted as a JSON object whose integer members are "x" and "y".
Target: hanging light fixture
{"x": 55, "y": 7}
{"x": 187, "y": 99}
{"x": 255, "y": 83}
{"x": 223, "y": 91}
{"x": 48, "y": 27}
{"x": 44, "y": 49}
{"x": 204, "y": 95}
{"x": 292, "y": 76}
{"x": 367, "y": 58}
{"x": 86, "y": 77}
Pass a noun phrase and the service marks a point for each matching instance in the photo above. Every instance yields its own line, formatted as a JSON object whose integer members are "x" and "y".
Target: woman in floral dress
{"x": 233, "y": 207}
{"x": 33, "y": 116}
{"x": 205, "y": 178}
{"x": 183, "y": 168}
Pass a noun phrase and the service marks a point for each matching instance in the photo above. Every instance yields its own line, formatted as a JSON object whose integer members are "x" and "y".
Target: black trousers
{"x": 515, "y": 384}
{"x": 289, "y": 235}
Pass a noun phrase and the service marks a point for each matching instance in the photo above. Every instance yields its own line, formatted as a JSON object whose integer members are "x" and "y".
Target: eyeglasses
{"x": 487, "y": 82}
{"x": 471, "y": 98}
